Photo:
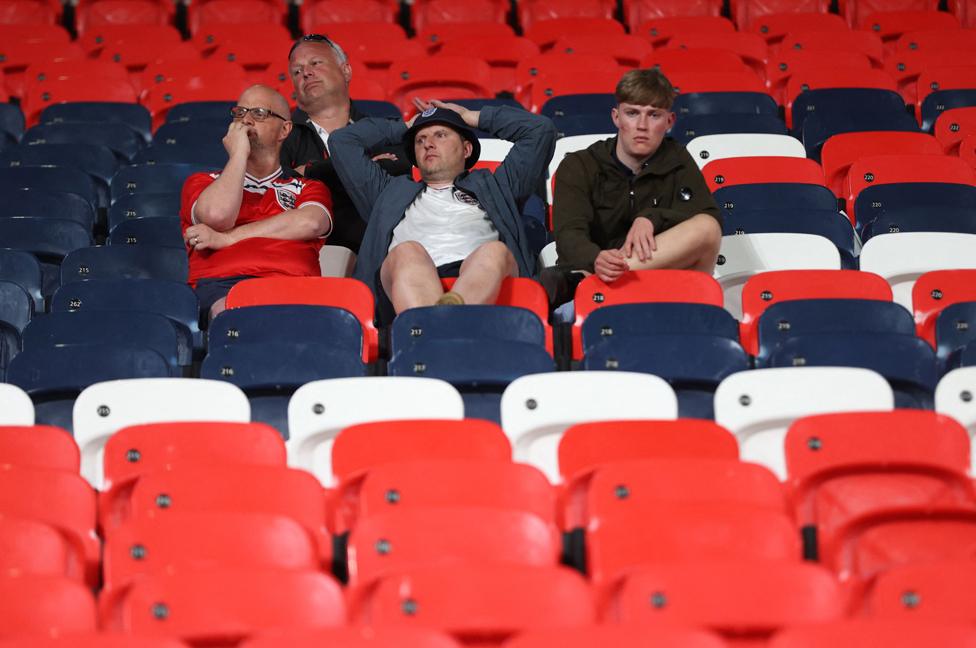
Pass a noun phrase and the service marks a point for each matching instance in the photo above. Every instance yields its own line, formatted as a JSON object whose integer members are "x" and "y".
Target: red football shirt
{"x": 258, "y": 257}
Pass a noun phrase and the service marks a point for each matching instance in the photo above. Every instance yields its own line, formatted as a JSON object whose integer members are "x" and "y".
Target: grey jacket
{"x": 383, "y": 199}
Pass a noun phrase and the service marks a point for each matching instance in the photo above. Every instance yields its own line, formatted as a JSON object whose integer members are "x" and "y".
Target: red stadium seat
{"x": 660, "y": 31}
{"x": 842, "y": 150}
{"x": 965, "y": 10}
{"x": 967, "y": 150}
{"x": 93, "y": 14}
{"x": 925, "y": 592}
{"x": 94, "y": 640}
{"x": 428, "y": 12}
{"x": 32, "y": 548}
{"x": 628, "y": 51}
{"x": 953, "y": 126}
{"x": 861, "y": 42}
{"x": 751, "y": 48}
{"x": 785, "y": 63}
{"x": 502, "y": 53}
{"x": 747, "y": 12}
{"x": 533, "y": 12}
{"x": 476, "y": 603}
{"x": 935, "y": 291}
{"x": 690, "y": 81}
{"x": 767, "y": 288}
{"x": 39, "y": 606}
{"x": 547, "y": 86}
{"x": 746, "y": 601}
{"x": 16, "y": 55}
{"x": 887, "y": 169}
{"x": 890, "y": 25}
{"x": 62, "y": 500}
{"x": 639, "y": 286}
{"x": 374, "y": 58}
{"x": 257, "y": 57}
{"x": 856, "y": 11}
{"x": 873, "y": 484}
{"x": 750, "y": 170}
{"x": 352, "y": 35}
{"x": 328, "y": 12}
{"x": 29, "y": 12}
{"x": 440, "y": 76}
{"x": 349, "y": 294}
{"x": 813, "y": 78}
{"x": 950, "y": 77}
{"x": 637, "y": 12}
{"x": 775, "y": 26}
{"x": 560, "y": 65}
{"x": 73, "y": 81}
{"x": 905, "y": 66}
{"x": 935, "y": 39}
{"x": 211, "y": 36}
{"x": 618, "y": 636}
{"x": 351, "y": 637}
{"x": 438, "y": 34}
{"x": 137, "y": 450}
{"x": 39, "y": 446}
{"x": 694, "y": 60}
{"x": 222, "y": 607}
{"x": 99, "y": 37}
{"x": 168, "y": 83}
{"x": 256, "y": 13}
{"x": 867, "y": 632}
{"x": 403, "y": 539}
{"x": 545, "y": 33}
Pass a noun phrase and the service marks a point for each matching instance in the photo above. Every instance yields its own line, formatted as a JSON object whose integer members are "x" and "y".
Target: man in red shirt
{"x": 252, "y": 219}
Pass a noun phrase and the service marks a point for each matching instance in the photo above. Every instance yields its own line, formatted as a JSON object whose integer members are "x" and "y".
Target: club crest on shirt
{"x": 285, "y": 198}
{"x": 429, "y": 111}
{"x": 466, "y": 198}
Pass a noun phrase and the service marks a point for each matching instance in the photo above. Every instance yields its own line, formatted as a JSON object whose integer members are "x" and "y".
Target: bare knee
{"x": 497, "y": 256}
{"x": 710, "y": 232}
{"x": 408, "y": 252}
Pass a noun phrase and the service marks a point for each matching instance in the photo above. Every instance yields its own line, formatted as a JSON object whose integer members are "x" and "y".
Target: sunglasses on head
{"x": 311, "y": 38}
{"x": 259, "y": 114}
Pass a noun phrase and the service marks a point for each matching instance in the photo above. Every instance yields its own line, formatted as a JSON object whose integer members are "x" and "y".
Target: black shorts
{"x": 452, "y": 269}
{"x": 210, "y": 289}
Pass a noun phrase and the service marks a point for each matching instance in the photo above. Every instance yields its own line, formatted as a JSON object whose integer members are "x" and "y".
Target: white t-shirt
{"x": 449, "y": 223}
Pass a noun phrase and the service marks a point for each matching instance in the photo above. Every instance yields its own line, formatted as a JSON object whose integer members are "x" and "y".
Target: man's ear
{"x": 347, "y": 72}
{"x": 671, "y": 119}
{"x": 468, "y": 148}
{"x": 285, "y": 130}
{"x": 615, "y": 116}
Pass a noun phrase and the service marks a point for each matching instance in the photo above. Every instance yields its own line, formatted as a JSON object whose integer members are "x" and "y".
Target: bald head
{"x": 262, "y": 96}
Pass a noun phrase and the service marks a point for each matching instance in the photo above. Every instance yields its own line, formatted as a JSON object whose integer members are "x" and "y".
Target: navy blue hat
{"x": 448, "y": 118}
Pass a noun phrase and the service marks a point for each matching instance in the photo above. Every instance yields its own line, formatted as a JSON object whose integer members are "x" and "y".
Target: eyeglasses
{"x": 259, "y": 114}
{"x": 312, "y": 38}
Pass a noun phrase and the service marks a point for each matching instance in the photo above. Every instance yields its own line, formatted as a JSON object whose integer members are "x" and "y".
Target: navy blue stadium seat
{"x": 191, "y": 110}
{"x": 774, "y": 195}
{"x": 270, "y": 371}
{"x": 693, "y": 365}
{"x": 48, "y": 204}
{"x": 9, "y": 347}
{"x": 710, "y": 103}
{"x": 967, "y": 355}
{"x": 596, "y": 124}
{"x": 152, "y": 178}
{"x": 819, "y": 126}
{"x": 132, "y": 115}
{"x": 478, "y": 322}
{"x": 478, "y": 104}
{"x": 198, "y": 141}
{"x": 626, "y": 320}
{"x": 955, "y": 328}
{"x": 144, "y": 205}
{"x": 53, "y": 376}
{"x": 380, "y": 109}
{"x": 175, "y": 300}
{"x": 942, "y": 100}
{"x": 50, "y": 179}
{"x": 688, "y": 127}
{"x": 94, "y": 159}
{"x": 203, "y": 154}
{"x": 125, "y": 262}
{"x": 840, "y": 101}
{"x": 787, "y": 319}
{"x": 828, "y": 223}
{"x": 192, "y": 132}
{"x": 48, "y": 239}
{"x": 23, "y": 269}
{"x": 922, "y": 219}
{"x": 165, "y": 232}
{"x": 16, "y": 306}
{"x": 579, "y": 104}
{"x": 11, "y": 122}
{"x": 125, "y": 142}
{"x": 875, "y": 202}
{"x": 334, "y": 327}
{"x": 144, "y": 329}
{"x": 907, "y": 362}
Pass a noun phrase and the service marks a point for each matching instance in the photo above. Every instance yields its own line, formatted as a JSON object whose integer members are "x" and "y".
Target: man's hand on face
{"x": 640, "y": 239}
{"x": 609, "y": 265}
{"x": 201, "y": 237}
{"x": 236, "y": 140}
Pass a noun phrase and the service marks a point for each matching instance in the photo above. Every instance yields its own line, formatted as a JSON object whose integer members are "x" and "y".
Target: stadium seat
{"x": 57, "y": 204}
{"x": 16, "y": 305}
{"x": 758, "y": 169}
{"x": 903, "y": 258}
{"x": 547, "y": 85}
{"x": 94, "y": 640}
{"x": 912, "y": 58}
{"x": 510, "y": 599}
{"x": 784, "y": 63}
{"x": 759, "y": 405}
{"x": 44, "y": 605}
{"x": 535, "y": 410}
{"x": 954, "y": 397}
{"x": 953, "y": 126}
{"x": 778, "y": 21}
{"x": 97, "y": 160}
{"x": 865, "y": 632}
{"x": 323, "y": 12}
{"x": 159, "y": 232}
{"x": 17, "y": 408}
{"x": 941, "y": 79}
{"x": 640, "y": 286}
{"x": 124, "y": 261}
{"x": 102, "y": 409}
{"x": 751, "y": 48}
{"x": 875, "y": 201}
{"x": 708, "y": 148}
{"x": 890, "y": 22}
{"x": 768, "y": 288}
{"x": 480, "y": 323}
{"x": 38, "y": 446}
{"x": 955, "y": 330}
{"x": 50, "y": 179}
{"x": 352, "y": 637}
{"x": 319, "y": 410}
{"x": 61, "y": 500}
{"x": 869, "y": 488}
{"x": 190, "y": 111}
{"x": 78, "y": 86}
{"x": 660, "y": 30}
{"x": 941, "y": 100}
{"x": 134, "y": 116}
{"x": 627, "y": 50}
{"x": 123, "y": 141}
{"x": 23, "y": 269}
{"x": 743, "y": 255}
{"x": 426, "y": 12}
{"x": 20, "y": 52}
{"x": 710, "y": 103}
{"x": 222, "y": 605}
{"x": 204, "y": 540}
{"x": 827, "y": 223}
{"x": 196, "y": 141}
{"x": 455, "y": 77}
{"x": 819, "y": 128}
{"x": 807, "y": 91}
{"x": 748, "y": 14}
{"x": 856, "y": 41}
{"x": 692, "y": 126}
{"x": 166, "y": 84}
{"x": 775, "y": 195}
{"x": 31, "y": 548}
{"x": 960, "y": 220}
{"x": 841, "y": 150}
{"x": 693, "y": 365}
{"x": 306, "y": 324}
{"x": 501, "y": 52}
{"x": 747, "y": 601}
{"x": 152, "y": 178}
{"x": 924, "y": 592}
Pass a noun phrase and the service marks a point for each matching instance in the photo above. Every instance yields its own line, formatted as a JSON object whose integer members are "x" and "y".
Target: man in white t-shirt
{"x": 453, "y": 223}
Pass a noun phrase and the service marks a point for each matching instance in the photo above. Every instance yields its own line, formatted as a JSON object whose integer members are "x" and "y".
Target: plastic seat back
{"x": 45, "y": 605}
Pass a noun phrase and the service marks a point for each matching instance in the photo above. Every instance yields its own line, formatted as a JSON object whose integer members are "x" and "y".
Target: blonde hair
{"x": 645, "y": 88}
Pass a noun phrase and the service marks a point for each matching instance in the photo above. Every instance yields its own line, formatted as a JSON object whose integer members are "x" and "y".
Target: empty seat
{"x": 841, "y": 150}
{"x": 660, "y": 30}
{"x": 48, "y": 239}
{"x": 38, "y": 446}
{"x": 15, "y": 405}
{"x": 861, "y": 42}
{"x": 32, "y": 548}
{"x": 125, "y": 142}
{"x": 926, "y": 591}
{"x": 954, "y": 397}
{"x": 742, "y": 170}
{"x": 958, "y": 220}
{"x": 96, "y": 160}
{"x": 125, "y": 261}
{"x": 758, "y": 406}
{"x": 774, "y": 195}
{"x": 827, "y": 223}
{"x": 143, "y": 205}
{"x": 690, "y": 126}
{"x": 622, "y": 636}
{"x": 708, "y": 148}
{"x": 874, "y": 202}
{"x": 863, "y": 632}
{"x": 871, "y": 91}
{"x": 351, "y": 637}
{"x": 443, "y": 75}
{"x": 45, "y": 605}
{"x": 155, "y": 178}
{"x": 941, "y": 79}
{"x": 39, "y": 202}
{"x": 95, "y": 640}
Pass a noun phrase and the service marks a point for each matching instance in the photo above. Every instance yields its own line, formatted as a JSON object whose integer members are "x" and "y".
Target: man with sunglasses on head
{"x": 253, "y": 218}
{"x": 320, "y": 73}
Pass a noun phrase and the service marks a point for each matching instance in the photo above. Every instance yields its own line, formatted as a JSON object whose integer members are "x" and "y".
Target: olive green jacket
{"x": 597, "y": 198}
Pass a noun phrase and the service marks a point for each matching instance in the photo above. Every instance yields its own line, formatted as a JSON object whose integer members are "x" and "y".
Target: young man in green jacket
{"x": 638, "y": 200}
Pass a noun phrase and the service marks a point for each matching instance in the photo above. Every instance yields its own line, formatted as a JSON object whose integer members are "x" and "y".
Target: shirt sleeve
{"x": 192, "y": 188}
{"x": 316, "y": 193}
